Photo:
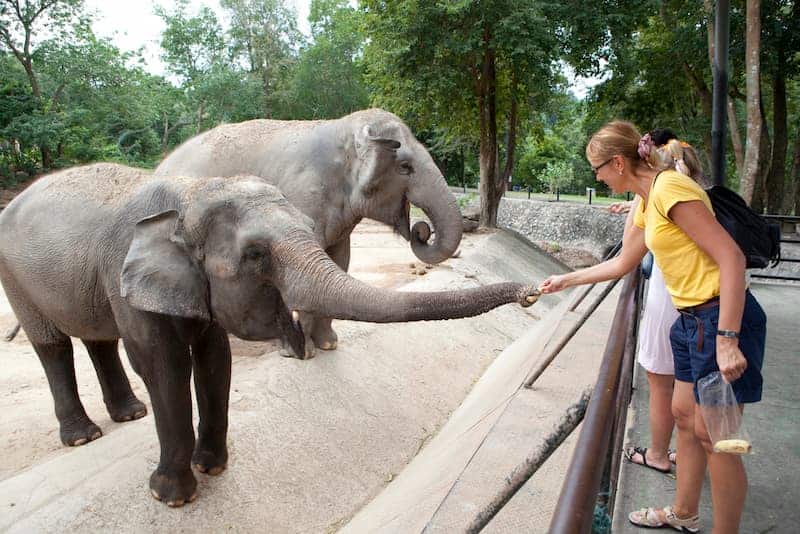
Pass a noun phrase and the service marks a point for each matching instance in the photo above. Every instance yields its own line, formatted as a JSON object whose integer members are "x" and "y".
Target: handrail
{"x": 790, "y": 219}
{"x": 575, "y": 509}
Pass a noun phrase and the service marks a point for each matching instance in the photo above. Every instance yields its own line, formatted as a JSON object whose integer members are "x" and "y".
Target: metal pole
{"x": 720, "y": 95}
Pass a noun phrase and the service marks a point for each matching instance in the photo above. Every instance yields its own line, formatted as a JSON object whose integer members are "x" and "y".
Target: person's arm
{"x": 633, "y": 250}
{"x": 702, "y": 227}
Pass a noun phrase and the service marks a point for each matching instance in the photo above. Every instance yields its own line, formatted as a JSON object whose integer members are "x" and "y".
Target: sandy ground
{"x": 314, "y": 440}
{"x": 28, "y": 425}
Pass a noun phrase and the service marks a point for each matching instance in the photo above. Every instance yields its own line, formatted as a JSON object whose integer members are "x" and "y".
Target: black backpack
{"x": 759, "y": 240}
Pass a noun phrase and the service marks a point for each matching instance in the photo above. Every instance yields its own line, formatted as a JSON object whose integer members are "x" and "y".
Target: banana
{"x": 732, "y": 446}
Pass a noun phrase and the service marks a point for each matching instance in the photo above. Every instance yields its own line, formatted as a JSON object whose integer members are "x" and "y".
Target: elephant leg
{"x": 54, "y": 349}
{"x": 322, "y": 333}
{"x": 163, "y": 361}
{"x": 75, "y": 426}
{"x": 211, "y": 364}
{"x": 120, "y": 401}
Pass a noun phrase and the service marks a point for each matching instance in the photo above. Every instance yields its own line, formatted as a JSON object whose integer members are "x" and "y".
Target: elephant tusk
{"x": 296, "y": 317}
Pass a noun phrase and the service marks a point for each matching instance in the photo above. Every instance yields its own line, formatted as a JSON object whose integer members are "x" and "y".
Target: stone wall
{"x": 567, "y": 224}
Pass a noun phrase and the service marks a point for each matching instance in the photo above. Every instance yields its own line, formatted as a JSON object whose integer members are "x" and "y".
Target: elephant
{"x": 367, "y": 164}
{"x": 171, "y": 266}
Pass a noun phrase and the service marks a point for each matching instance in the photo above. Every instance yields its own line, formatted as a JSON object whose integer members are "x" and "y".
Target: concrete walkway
{"x": 773, "y": 424}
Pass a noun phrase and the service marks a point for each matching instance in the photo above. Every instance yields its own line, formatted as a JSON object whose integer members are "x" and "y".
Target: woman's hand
{"x": 621, "y": 207}
{"x": 553, "y": 284}
{"x": 730, "y": 359}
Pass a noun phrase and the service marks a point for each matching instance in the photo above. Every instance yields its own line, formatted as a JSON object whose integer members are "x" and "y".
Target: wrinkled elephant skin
{"x": 367, "y": 164}
{"x": 170, "y": 266}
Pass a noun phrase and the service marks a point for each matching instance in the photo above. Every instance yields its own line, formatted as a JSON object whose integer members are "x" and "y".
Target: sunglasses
{"x": 595, "y": 170}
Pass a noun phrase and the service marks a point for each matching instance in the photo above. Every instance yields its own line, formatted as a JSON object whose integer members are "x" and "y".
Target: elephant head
{"x": 394, "y": 170}
{"x": 238, "y": 253}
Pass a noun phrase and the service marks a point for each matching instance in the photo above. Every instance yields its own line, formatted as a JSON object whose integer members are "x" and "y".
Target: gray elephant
{"x": 367, "y": 164}
{"x": 170, "y": 266}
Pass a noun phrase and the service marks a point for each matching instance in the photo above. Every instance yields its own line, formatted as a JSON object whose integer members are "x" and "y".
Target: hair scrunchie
{"x": 646, "y": 145}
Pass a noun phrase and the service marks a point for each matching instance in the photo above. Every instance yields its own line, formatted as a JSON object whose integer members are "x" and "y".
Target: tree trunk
{"x": 764, "y": 148}
{"x": 752, "y": 161}
{"x": 487, "y": 104}
{"x": 511, "y": 144}
{"x": 775, "y": 183}
{"x": 165, "y": 135}
{"x": 796, "y": 174}
{"x": 736, "y": 138}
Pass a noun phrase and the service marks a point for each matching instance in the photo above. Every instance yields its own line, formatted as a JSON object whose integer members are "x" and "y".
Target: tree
{"x": 20, "y": 20}
{"x": 558, "y": 175}
{"x": 751, "y": 179}
{"x": 328, "y": 80}
{"x": 460, "y": 66}
{"x": 264, "y": 35}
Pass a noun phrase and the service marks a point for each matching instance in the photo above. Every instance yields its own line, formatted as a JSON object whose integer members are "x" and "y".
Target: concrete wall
{"x": 569, "y": 224}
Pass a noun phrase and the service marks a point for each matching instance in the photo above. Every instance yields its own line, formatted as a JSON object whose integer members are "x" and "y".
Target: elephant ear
{"x": 160, "y": 275}
{"x": 376, "y": 154}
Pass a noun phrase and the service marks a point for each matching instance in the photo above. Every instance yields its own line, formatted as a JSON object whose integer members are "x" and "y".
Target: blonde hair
{"x": 615, "y": 138}
{"x": 675, "y": 154}
{"x": 623, "y": 138}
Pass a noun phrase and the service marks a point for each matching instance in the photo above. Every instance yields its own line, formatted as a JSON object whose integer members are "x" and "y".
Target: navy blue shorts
{"x": 692, "y": 364}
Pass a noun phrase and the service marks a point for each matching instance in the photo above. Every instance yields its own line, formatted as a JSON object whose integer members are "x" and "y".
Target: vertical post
{"x": 720, "y": 95}
{"x": 558, "y": 197}
{"x": 529, "y": 192}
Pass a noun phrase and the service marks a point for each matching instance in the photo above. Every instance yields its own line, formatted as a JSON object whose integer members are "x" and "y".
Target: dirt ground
{"x": 28, "y": 426}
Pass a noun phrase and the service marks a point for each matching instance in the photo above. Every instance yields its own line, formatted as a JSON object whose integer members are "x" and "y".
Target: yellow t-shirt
{"x": 691, "y": 276}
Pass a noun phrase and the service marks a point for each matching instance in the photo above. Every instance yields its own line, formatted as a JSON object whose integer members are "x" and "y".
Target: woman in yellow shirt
{"x": 721, "y": 326}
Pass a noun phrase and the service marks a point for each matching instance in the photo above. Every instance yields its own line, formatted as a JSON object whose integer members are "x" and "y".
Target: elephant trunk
{"x": 310, "y": 282}
{"x": 435, "y": 199}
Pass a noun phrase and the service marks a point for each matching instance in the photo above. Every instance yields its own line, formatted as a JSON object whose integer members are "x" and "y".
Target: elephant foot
{"x": 127, "y": 410}
{"x": 208, "y": 461}
{"x": 324, "y": 337}
{"x": 173, "y": 489}
{"x": 79, "y": 432}
{"x": 288, "y": 352}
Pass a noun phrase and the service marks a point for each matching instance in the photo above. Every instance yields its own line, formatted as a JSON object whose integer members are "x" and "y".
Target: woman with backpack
{"x": 721, "y": 327}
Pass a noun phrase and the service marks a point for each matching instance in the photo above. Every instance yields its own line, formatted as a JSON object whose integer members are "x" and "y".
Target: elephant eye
{"x": 253, "y": 253}
{"x": 406, "y": 168}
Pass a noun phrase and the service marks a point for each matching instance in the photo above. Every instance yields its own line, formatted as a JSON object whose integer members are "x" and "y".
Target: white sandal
{"x": 648, "y": 518}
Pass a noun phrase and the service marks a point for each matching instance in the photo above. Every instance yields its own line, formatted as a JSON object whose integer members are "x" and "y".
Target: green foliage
{"x": 558, "y": 176}
{"x": 328, "y": 80}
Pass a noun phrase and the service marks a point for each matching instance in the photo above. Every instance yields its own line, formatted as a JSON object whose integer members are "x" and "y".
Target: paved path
{"x": 774, "y": 425}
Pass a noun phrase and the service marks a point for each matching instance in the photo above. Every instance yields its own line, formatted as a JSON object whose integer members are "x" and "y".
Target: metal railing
{"x": 595, "y": 462}
{"x": 795, "y": 277}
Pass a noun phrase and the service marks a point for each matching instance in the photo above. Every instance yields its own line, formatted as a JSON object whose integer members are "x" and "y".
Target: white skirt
{"x": 655, "y": 350}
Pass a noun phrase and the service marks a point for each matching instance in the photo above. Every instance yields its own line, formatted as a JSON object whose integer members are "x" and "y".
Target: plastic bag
{"x": 722, "y": 415}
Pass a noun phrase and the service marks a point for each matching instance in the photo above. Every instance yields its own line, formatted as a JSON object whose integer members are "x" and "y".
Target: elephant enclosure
{"x": 310, "y": 442}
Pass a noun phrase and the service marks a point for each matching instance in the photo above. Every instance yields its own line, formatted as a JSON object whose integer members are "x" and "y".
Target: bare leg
{"x": 661, "y": 420}
{"x": 692, "y": 466}
{"x": 322, "y": 333}
{"x": 59, "y": 366}
{"x": 211, "y": 363}
{"x": 120, "y": 401}
{"x": 728, "y": 482}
